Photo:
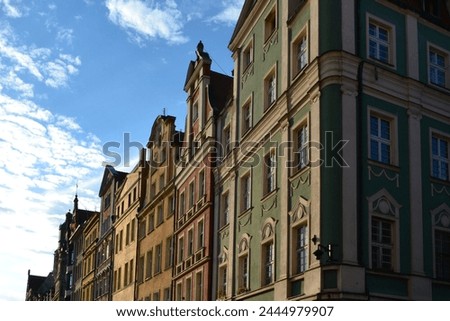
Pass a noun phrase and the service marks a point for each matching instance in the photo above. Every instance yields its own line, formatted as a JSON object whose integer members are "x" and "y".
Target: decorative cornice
{"x": 384, "y": 173}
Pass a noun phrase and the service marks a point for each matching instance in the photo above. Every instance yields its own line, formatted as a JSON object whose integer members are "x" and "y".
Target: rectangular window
{"x": 226, "y": 140}
{"x": 143, "y": 228}
{"x": 442, "y": 254}
{"x": 437, "y": 68}
{"x": 270, "y": 169}
{"x": 131, "y": 273}
{"x": 190, "y": 242}
{"x": 151, "y": 222}
{"x": 161, "y": 182}
{"x": 380, "y": 42}
{"x": 302, "y": 142}
{"x": 268, "y": 263}
{"x": 156, "y": 296}
{"x": 382, "y": 247}
{"x": 125, "y": 277}
{"x": 169, "y": 252}
{"x": 300, "y": 56}
{"x": 440, "y": 157}
{"x": 140, "y": 271}
{"x": 225, "y": 209}
{"x": 182, "y": 204}
{"x": 149, "y": 264}
{"x": 171, "y": 205}
{"x": 191, "y": 194}
{"x": 270, "y": 89}
{"x": 179, "y": 291}
{"x": 246, "y": 117}
{"x": 199, "y": 286}
{"x": 201, "y": 182}
{"x": 301, "y": 249}
{"x": 127, "y": 234}
{"x": 194, "y": 112}
{"x": 160, "y": 217}
{"x": 222, "y": 281}
{"x": 200, "y": 234}
{"x": 246, "y": 192}
{"x": 180, "y": 250}
{"x": 167, "y": 296}
{"x": 158, "y": 258}
{"x": 270, "y": 24}
{"x": 380, "y": 139}
{"x": 247, "y": 56}
{"x": 133, "y": 229}
{"x": 243, "y": 273}
{"x": 188, "y": 289}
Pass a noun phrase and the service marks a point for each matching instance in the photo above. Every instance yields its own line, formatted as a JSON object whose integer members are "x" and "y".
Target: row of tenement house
{"x": 320, "y": 170}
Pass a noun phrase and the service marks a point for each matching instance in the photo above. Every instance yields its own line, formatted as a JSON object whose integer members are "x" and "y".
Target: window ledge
{"x": 269, "y": 195}
{"x": 390, "y": 167}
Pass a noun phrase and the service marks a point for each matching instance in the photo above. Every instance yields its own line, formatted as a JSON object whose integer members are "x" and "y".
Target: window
{"x": 127, "y": 234}
{"x": 270, "y": 89}
{"x": 180, "y": 249}
{"x": 167, "y": 296}
{"x": 179, "y": 291}
{"x": 133, "y": 229}
{"x": 380, "y": 138}
{"x": 140, "y": 271}
{"x": 169, "y": 252}
{"x": 226, "y": 140}
{"x": 149, "y": 264}
{"x": 191, "y": 194}
{"x": 161, "y": 182}
{"x": 222, "y": 281}
{"x": 270, "y": 169}
{"x": 182, "y": 204}
{"x": 194, "y": 112}
{"x": 247, "y": 56}
{"x": 437, "y": 66}
{"x": 201, "y": 181}
{"x": 156, "y": 296}
{"x": 131, "y": 272}
{"x": 300, "y": 54}
{"x": 246, "y": 117}
{"x": 188, "y": 289}
{"x": 125, "y": 277}
{"x": 302, "y": 146}
{"x": 244, "y": 268}
{"x": 120, "y": 240}
{"x": 171, "y": 205}
{"x": 441, "y": 233}
{"x": 301, "y": 243}
{"x": 270, "y": 24}
{"x": 107, "y": 201}
{"x": 160, "y": 217}
{"x": 158, "y": 258}
{"x": 142, "y": 227}
{"x": 200, "y": 234}
{"x": 382, "y": 247}
{"x": 439, "y": 157}
{"x": 199, "y": 286}
{"x": 245, "y": 192}
{"x": 380, "y": 42}
{"x": 151, "y": 222}
{"x": 152, "y": 191}
{"x": 225, "y": 209}
{"x": 268, "y": 263}
{"x": 190, "y": 242}
{"x": 268, "y": 254}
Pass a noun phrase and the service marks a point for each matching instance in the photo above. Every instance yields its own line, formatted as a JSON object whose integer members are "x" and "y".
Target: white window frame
{"x": 246, "y": 191}
{"x": 270, "y": 171}
{"x": 440, "y": 217}
{"x": 391, "y": 42}
{"x": 300, "y": 58}
{"x": 248, "y": 55}
{"x": 247, "y": 117}
{"x": 268, "y": 240}
{"x": 444, "y": 69}
{"x": 382, "y": 206}
{"x": 270, "y": 88}
{"x": 270, "y": 24}
{"x": 244, "y": 260}
{"x": 302, "y": 148}
{"x": 393, "y": 141}
{"x": 440, "y": 159}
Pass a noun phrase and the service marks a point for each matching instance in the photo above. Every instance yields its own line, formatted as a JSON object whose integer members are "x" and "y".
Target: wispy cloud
{"x": 230, "y": 12}
{"x": 10, "y": 10}
{"x": 44, "y": 155}
{"x": 148, "y": 20}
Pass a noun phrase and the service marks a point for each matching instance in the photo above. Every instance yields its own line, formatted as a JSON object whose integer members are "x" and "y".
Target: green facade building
{"x": 333, "y": 175}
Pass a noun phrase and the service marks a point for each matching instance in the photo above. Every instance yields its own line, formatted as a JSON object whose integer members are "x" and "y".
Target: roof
{"x": 220, "y": 90}
{"x": 245, "y": 12}
{"x": 117, "y": 175}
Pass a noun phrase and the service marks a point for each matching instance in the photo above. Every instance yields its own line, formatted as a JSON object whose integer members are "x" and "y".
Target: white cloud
{"x": 10, "y": 10}
{"x": 230, "y": 12}
{"x": 148, "y": 20}
{"x": 44, "y": 155}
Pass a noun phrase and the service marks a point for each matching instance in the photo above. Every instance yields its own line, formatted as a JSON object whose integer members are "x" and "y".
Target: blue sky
{"x": 75, "y": 75}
